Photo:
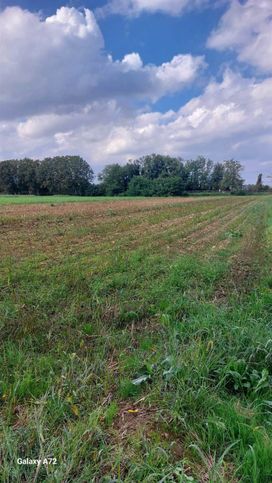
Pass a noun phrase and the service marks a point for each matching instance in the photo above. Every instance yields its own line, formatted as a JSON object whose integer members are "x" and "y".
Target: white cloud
{"x": 135, "y": 7}
{"x": 132, "y": 61}
{"x": 75, "y": 23}
{"x": 166, "y": 78}
{"x": 172, "y": 74}
{"x": 44, "y": 63}
{"x": 247, "y": 29}
{"x": 232, "y": 118}
{"x": 59, "y": 64}
{"x": 61, "y": 93}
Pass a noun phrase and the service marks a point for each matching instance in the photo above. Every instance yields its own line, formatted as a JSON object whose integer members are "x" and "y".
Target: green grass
{"x": 141, "y": 349}
{"x": 32, "y": 199}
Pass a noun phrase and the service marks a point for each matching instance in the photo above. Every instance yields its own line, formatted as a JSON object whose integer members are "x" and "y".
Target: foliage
{"x": 259, "y": 182}
{"x": 258, "y": 187}
{"x": 170, "y": 186}
{"x": 158, "y": 175}
{"x": 64, "y": 175}
{"x": 140, "y": 186}
{"x": 59, "y": 175}
{"x": 217, "y": 176}
{"x": 151, "y": 175}
{"x": 9, "y": 176}
{"x": 161, "y": 186}
{"x": 156, "y": 165}
{"x": 199, "y": 174}
{"x": 232, "y": 180}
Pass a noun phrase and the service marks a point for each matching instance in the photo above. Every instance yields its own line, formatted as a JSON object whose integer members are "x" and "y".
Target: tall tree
{"x": 156, "y": 165}
{"x": 129, "y": 170}
{"x": 9, "y": 176}
{"x": 65, "y": 175}
{"x": 217, "y": 176}
{"x": 113, "y": 179}
{"x": 232, "y": 180}
{"x": 116, "y": 178}
{"x": 259, "y": 182}
{"x": 198, "y": 174}
{"x": 27, "y": 171}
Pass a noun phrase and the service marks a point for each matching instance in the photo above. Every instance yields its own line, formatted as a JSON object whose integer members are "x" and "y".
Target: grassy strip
{"x": 31, "y": 199}
{"x": 137, "y": 368}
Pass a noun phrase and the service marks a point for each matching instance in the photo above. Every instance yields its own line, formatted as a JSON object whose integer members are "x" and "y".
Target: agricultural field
{"x": 136, "y": 340}
{"x": 32, "y": 199}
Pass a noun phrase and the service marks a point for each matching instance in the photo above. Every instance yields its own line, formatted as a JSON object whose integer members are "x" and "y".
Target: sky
{"x": 112, "y": 80}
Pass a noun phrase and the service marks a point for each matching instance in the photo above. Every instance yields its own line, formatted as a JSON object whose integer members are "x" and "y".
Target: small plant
{"x": 110, "y": 413}
{"x": 127, "y": 389}
{"x": 233, "y": 234}
{"x": 88, "y": 329}
{"x": 239, "y": 376}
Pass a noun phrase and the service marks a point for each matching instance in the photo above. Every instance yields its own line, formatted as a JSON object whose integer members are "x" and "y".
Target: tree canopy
{"x": 151, "y": 175}
{"x": 159, "y": 175}
{"x": 69, "y": 175}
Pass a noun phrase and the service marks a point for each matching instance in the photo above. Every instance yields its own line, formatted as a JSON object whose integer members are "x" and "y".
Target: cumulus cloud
{"x": 132, "y": 61}
{"x": 232, "y": 118}
{"x": 60, "y": 63}
{"x": 247, "y": 29}
{"x": 44, "y": 63}
{"x": 61, "y": 93}
{"x": 135, "y": 7}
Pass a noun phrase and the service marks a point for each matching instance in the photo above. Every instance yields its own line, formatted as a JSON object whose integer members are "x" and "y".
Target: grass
{"x": 32, "y": 199}
{"x": 136, "y": 341}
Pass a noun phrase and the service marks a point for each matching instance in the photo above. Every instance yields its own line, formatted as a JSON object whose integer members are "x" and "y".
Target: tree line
{"x": 69, "y": 175}
{"x": 151, "y": 175}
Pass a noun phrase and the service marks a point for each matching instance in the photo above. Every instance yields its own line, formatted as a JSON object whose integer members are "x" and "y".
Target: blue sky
{"x": 113, "y": 81}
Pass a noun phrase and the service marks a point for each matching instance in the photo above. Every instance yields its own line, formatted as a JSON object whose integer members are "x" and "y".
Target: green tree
{"x": 198, "y": 174}
{"x": 9, "y": 176}
{"x": 113, "y": 180}
{"x": 232, "y": 180}
{"x": 130, "y": 170}
{"x": 169, "y": 186}
{"x": 259, "y": 182}
{"x": 217, "y": 176}
{"x": 116, "y": 178}
{"x": 27, "y": 171}
{"x": 65, "y": 175}
{"x": 157, "y": 165}
{"x": 140, "y": 186}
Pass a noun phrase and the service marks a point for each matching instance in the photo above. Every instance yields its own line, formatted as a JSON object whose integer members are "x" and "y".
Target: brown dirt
{"x": 88, "y": 229}
{"x": 244, "y": 270}
{"x": 92, "y": 208}
{"x": 132, "y": 418}
{"x": 89, "y": 226}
